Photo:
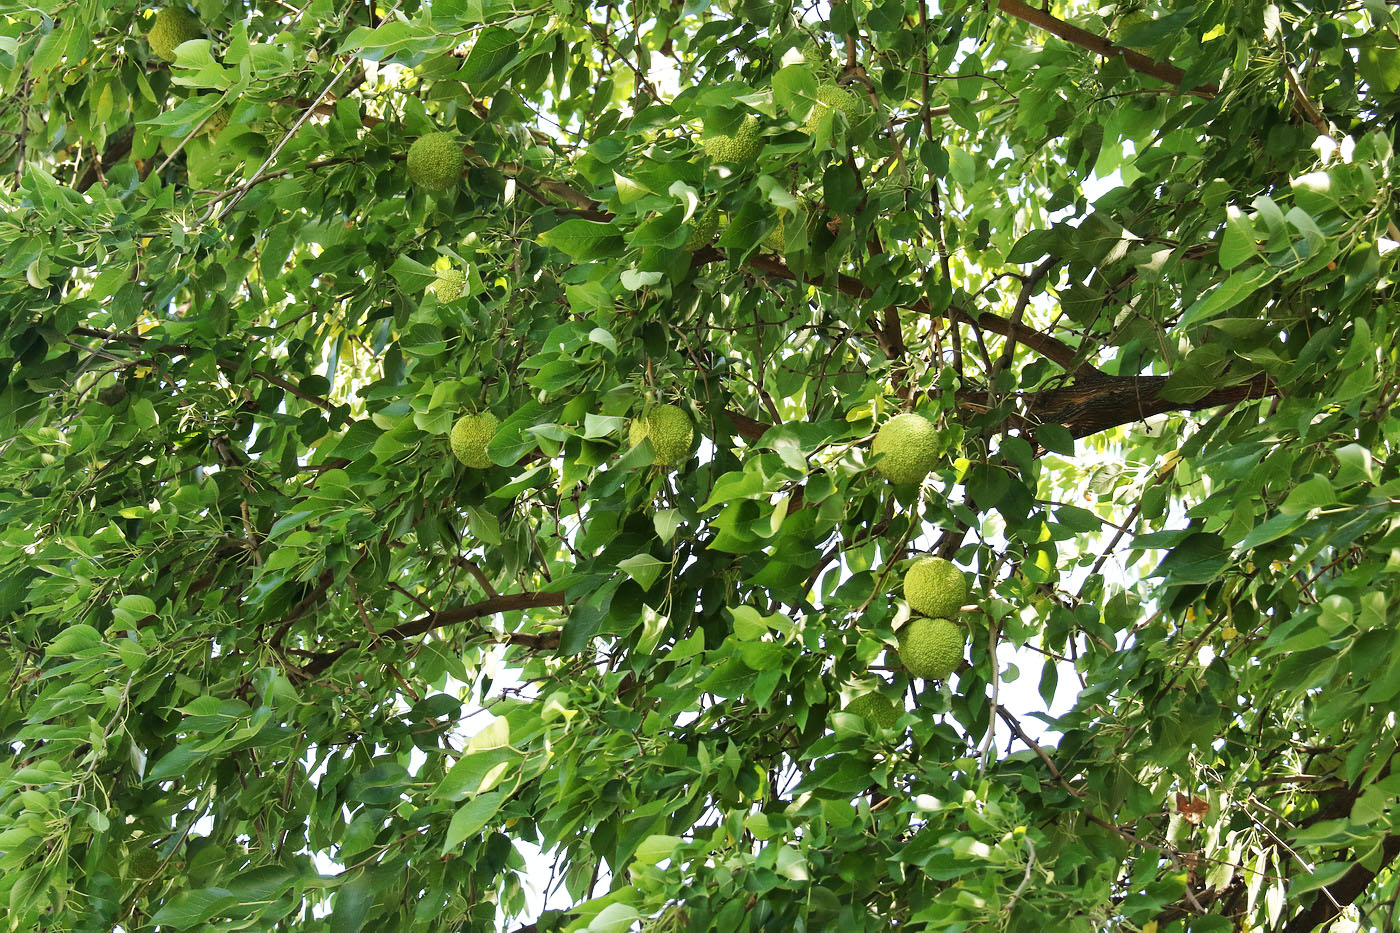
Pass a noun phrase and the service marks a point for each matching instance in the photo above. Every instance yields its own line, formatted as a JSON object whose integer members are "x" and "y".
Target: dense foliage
{"x": 274, "y": 657}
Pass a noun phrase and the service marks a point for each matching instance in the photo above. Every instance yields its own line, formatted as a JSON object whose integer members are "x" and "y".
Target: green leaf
{"x": 471, "y": 818}
{"x": 192, "y": 908}
{"x": 1239, "y": 286}
{"x": 643, "y": 568}
{"x": 1237, "y": 244}
{"x": 655, "y": 848}
{"x": 583, "y": 240}
{"x": 795, "y": 90}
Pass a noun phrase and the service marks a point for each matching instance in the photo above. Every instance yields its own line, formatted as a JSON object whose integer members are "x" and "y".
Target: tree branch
{"x": 511, "y": 602}
{"x": 1162, "y": 71}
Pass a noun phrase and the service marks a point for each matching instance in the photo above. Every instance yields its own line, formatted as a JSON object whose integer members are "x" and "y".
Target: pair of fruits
{"x": 668, "y": 428}
{"x": 745, "y": 143}
{"x": 930, "y": 644}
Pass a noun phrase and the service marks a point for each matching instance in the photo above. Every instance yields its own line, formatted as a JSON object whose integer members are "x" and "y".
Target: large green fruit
{"x": 776, "y": 240}
{"x": 930, "y": 648}
{"x": 874, "y": 708}
{"x": 669, "y": 430}
{"x": 449, "y": 285}
{"x": 435, "y": 161}
{"x": 172, "y": 26}
{"x": 743, "y": 146}
{"x": 907, "y": 446}
{"x": 936, "y": 588}
{"x": 469, "y": 438}
{"x": 831, "y": 97}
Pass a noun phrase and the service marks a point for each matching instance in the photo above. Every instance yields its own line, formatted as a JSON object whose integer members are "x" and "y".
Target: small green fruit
{"x": 1127, "y": 24}
{"x": 831, "y": 97}
{"x": 702, "y": 230}
{"x": 172, "y": 26}
{"x": 930, "y": 648}
{"x": 907, "y": 446}
{"x": 669, "y": 430}
{"x": 874, "y": 708}
{"x": 935, "y": 588}
{"x": 469, "y": 438}
{"x": 743, "y": 146}
{"x": 776, "y": 240}
{"x": 435, "y": 161}
{"x": 449, "y": 285}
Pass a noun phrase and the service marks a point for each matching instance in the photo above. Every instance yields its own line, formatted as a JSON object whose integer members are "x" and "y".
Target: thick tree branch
{"x": 511, "y": 602}
{"x": 1095, "y": 403}
{"x": 1345, "y": 890}
{"x": 1162, "y": 71}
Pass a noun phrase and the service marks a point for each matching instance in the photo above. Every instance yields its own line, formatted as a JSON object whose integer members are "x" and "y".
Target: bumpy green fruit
{"x": 930, "y": 648}
{"x": 469, "y": 438}
{"x": 934, "y": 587}
{"x": 142, "y": 863}
{"x": 449, "y": 284}
{"x": 908, "y": 449}
{"x": 874, "y": 708}
{"x": 743, "y": 146}
{"x": 702, "y": 230}
{"x": 669, "y": 430}
{"x": 173, "y": 26}
{"x": 776, "y": 240}
{"x": 831, "y": 97}
{"x": 435, "y": 161}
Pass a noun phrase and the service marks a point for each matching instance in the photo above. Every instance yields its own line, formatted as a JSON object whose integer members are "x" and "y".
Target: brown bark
{"x": 1162, "y": 71}
{"x": 435, "y": 620}
{"x": 1097, "y": 402}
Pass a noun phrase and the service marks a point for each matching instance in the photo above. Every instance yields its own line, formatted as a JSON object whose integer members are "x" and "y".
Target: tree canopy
{"x": 386, "y": 530}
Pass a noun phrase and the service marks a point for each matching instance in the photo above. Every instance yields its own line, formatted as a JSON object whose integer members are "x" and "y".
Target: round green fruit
{"x": 669, "y": 430}
{"x": 874, "y": 708}
{"x": 702, "y": 230}
{"x": 907, "y": 447}
{"x": 1126, "y": 24}
{"x": 469, "y": 438}
{"x": 831, "y": 97}
{"x": 743, "y": 146}
{"x": 935, "y": 588}
{"x": 435, "y": 161}
{"x": 930, "y": 648}
{"x": 172, "y": 26}
{"x": 449, "y": 285}
{"x": 776, "y": 240}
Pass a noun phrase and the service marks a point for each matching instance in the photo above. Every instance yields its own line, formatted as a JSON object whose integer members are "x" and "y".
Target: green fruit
{"x": 936, "y": 588}
{"x": 449, "y": 285}
{"x": 469, "y": 438}
{"x": 143, "y": 863}
{"x": 907, "y": 447}
{"x": 776, "y": 239}
{"x": 1124, "y": 25}
{"x": 930, "y": 648}
{"x": 831, "y": 97}
{"x": 172, "y": 26}
{"x": 669, "y": 430}
{"x": 874, "y": 708}
{"x": 702, "y": 230}
{"x": 742, "y": 147}
{"x": 435, "y": 161}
